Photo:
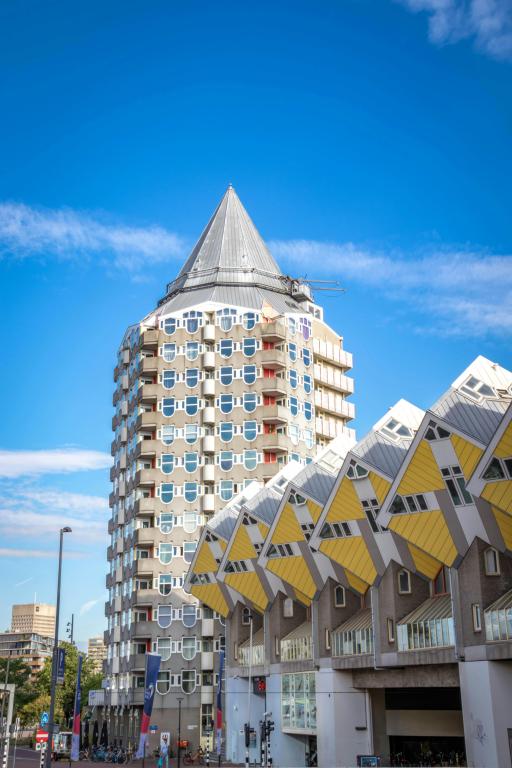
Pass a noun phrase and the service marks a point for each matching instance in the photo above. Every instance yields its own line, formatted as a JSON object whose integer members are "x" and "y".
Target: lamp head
{"x": 67, "y": 529}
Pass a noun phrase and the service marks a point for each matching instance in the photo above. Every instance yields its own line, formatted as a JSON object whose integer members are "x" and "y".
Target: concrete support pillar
{"x": 380, "y": 737}
{"x": 486, "y": 692}
{"x": 344, "y": 719}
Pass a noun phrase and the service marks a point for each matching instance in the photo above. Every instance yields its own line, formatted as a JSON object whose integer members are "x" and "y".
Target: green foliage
{"x": 19, "y": 674}
{"x": 65, "y": 698}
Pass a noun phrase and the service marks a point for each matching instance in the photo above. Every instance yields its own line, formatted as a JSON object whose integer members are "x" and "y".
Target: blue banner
{"x": 152, "y": 670}
{"x": 61, "y": 665}
{"x": 219, "y": 704}
{"x": 75, "y": 739}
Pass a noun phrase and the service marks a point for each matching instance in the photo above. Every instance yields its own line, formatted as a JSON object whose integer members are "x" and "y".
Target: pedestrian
{"x": 163, "y": 762}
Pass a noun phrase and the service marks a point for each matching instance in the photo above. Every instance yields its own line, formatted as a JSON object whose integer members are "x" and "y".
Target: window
{"x": 165, "y": 583}
{"x": 168, "y": 379}
{"x": 167, "y": 435}
{"x": 308, "y": 411}
{"x": 477, "y": 617}
{"x": 249, "y": 374}
{"x": 404, "y": 582}
{"x": 292, "y": 351}
{"x": 192, "y": 350}
{"x": 192, "y": 320}
{"x": 170, "y": 325}
{"x": 327, "y": 639}
{"x": 191, "y": 405}
{"x": 226, "y": 490}
{"x": 188, "y": 680}
{"x": 498, "y": 469}
{"x": 250, "y": 430}
{"x": 226, "y": 375}
{"x": 189, "y": 548}
{"x": 492, "y": 562}
{"x": 441, "y": 583}
{"x": 168, "y": 406}
{"x": 188, "y": 648}
{"x": 226, "y": 431}
{"x": 191, "y": 377}
{"x": 394, "y": 430}
{"x": 294, "y": 406}
{"x": 191, "y": 433}
{"x": 416, "y": 503}
{"x": 435, "y": 432}
{"x": 249, "y": 347}
{"x": 309, "y": 438}
{"x": 166, "y": 522}
{"x": 371, "y": 509}
{"x": 164, "y": 616}
{"x": 226, "y": 348}
{"x": 476, "y": 389}
{"x": 226, "y": 403}
{"x": 169, "y": 352}
{"x": 249, "y": 320}
{"x": 189, "y": 522}
{"x": 167, "y": 463}
{"x": 288, "y": 608}
{"x": 190, "y": 491}
{"x": 308, "y": 385}
{"x": 250, "y": 401}
{"x": 293, "y": 433}
{"x": 294, "y": 378}
{"x": 163, "y": 683}
{"x": 166, "y": 492}
{"x": 356, "y": 471}
{"x": 339, "y": 596}
{"x": 226, "y": 318}
{"x": 306, "y": 357}
{"x": 165, "y": 553}
{"x": 246, "y": 617}
{"x": 188, "y": 615}
{"x": 163, "y": 647}
{"x": 226, "y": 460}
{"x": 190, "y": 461}
{"x": 456, "y": 484}
{"x": 250, "y": 460}
{"x": 391, "y": 630}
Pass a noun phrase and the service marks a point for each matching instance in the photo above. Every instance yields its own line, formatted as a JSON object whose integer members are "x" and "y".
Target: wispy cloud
{"x": 89, "y": 605}
{"x": 58, "y": 460}
{"x": 461, "y": 291}
{"x": 25, "y": 581}
{"x": 39, "y": 553}
{"x": 487, "y": 22}
{"x": 68, "y": 234}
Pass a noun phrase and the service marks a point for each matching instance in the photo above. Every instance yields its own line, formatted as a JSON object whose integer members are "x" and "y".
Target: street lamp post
{"x": 179, "y": 700}
{"x": 48, "y": 755}
{"x": 249, "y": 684}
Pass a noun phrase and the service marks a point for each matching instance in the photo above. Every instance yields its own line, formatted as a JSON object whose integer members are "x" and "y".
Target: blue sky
{"x": 368, "y": 139}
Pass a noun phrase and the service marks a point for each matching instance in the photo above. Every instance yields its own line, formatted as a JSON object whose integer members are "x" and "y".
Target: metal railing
{"x": 297, "y": 649}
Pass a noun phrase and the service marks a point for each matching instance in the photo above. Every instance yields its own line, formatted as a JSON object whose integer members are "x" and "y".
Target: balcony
{"x": 146, "y": 448}
{"x": 138, "y": 661}
{"x": 273, "y": 358}
{"x": 428, "y": 626}
{"x": 146, "y": 565}
{"x": 209, "y": 473}
{"x": 208, "y": 388}
{"x": 148, "y": 365}
{"x": 148, "y": 340}
{"x": 355, "y": 636}
{"x": 206, "y": 660}
{"x": 274, "y": 331}
{"x": 335, "y": 404}
{"x": 142, "y": 630}
{"x": 209, "y": 360}
{"x": 121, "y": 489}
{"x": 119, "y": 546}
{"x": 145, "y": 536}
{"x": 145, "y": 477}
{"x": 208, "y": 502}
{"x": 332, "y": 353}
{"x": 207, "y": 628}
{"x": 257, "y": 657}
{"x": 209, "y": 415}
{"x": 331, "y": 428}
{"x": 118, "y": 575}
{"x": 275, "y": 414}
{"x": 298, "y": 645}
{"x": 207, "y": 694}
{"x": 498, "y": 619}
{"x": 333, "y": 378}
{"x": 209, "y": 444}
{"x": 275, "y": 442}
{"x": 273, "y": 387}
{"x": 146, "y": 420}
{"x": 148, "y": 393}
{"x": 209, "y": 332}
{"x": 144, "y": 506}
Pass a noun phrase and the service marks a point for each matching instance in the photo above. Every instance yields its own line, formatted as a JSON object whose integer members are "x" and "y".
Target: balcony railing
{"x": 429, "y": 626}
{"x": 258, "y": 655}
{"x": 498, "y": 619}
{"x": 355, "y": 636}
{"x": 298, "y": 645}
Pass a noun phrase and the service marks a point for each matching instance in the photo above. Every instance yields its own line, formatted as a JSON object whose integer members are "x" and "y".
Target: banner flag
{"x": 219, "y": 704}
{"x": 75, "y": 739}
{"x": 152, "y": 670}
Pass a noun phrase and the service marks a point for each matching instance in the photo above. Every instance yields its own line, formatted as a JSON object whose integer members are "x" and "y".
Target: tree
{"x": 19, "y": 674}
{"x": 65, "y": 696}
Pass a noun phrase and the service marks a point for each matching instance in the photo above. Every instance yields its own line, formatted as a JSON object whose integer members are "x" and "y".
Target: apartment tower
{"x": 232, "y": 376}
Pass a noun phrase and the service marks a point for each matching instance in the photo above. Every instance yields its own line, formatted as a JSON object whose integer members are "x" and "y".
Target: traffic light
{"x": 259, "y": 685}
{"x": 270, "y": 726}
{"x": 247, "y": 731}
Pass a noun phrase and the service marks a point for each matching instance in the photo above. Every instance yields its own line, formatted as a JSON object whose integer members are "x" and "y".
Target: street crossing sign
{"x": 43, "y": 720}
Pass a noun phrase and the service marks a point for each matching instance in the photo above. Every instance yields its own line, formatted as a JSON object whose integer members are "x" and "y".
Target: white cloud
{"x": 88, "y": 606}
{"x": 25, "y": 581}
{"x": 68, "y": 234}
{"x": 58, "y": 460}
{"x": 461, "y": 291}
{"x": 487, "y": 22}
{"x": 30, "y": 553}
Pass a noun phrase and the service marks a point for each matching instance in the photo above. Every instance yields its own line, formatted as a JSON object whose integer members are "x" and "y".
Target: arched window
{"x": 190, "y": 491}
{"x": 170, "y": 325}
{"x": 191, "y": 405}
{"x": 249, "y": 347}
{"x": 226, "y": 460}
{"x": 191, "y": 377}
{"x": 167, "y": 463}
{"x": 192, "y": 320}
{"x": 226, "y": 431}
{"x": 165, "y": 583}
{"x": 249, "y": 320}
{"x": 192, "y": 350}
{"x": 249, "y": 373}
{"x": 250, "y": 459}
{"x": 165, "y": 553}
{"x": 167, "y": 434}
{"x": 226, "y": 375}
{"x": 168, "y": 379}
{"x": 226, "y": 347}
{"x": 308, "y": 411}
{"x": 250, "y": 430}
{"x": 191, "y": 433}
{"x": 307, "y": 383}
{"x": 188, "y": 680}
{"x": 294, "y": 378}
{"x": 492, "y": 562}
{"x": 163, "y": 647}
{"x": 190, "y": 462}
{"x": 189, "y": 522}
{"x": 189, "y": 615}
{"x": 166, "y": 492}
{"x": 163, "y": 683}
{"x": 250, "y": 401}
{"x": 292, "y": 351}
{"x": 168, "y": 406}
{"x": 166, "y": 522}
{"x": 226, "y": 403}
{"x": 294, "y": 406}
{"x": 169, "y": 352}
{"x": 189, "y": 548}
{"x": 188, "y": 648}
{"x": 226, "y": 318}
{"x": 226, "y": 490}
{"x": 339, "y": 596}
{"x": 164, "y": 616}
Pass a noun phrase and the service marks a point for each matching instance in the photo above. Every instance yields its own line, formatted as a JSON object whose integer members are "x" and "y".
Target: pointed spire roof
{"x": 230, "y": 252}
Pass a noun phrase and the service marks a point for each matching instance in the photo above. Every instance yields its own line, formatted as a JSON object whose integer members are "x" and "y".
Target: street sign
{"x": 41, "y": 736}
{"x": 153, "y": 728}
{"x": 43, "y": 720}
{"x": 61, "y": 665}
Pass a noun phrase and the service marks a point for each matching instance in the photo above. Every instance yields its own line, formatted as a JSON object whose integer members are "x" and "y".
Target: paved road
{"x": 29, "y": 758}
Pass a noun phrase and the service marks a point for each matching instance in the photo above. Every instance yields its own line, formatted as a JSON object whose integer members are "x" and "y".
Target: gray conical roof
{"x": 230, "y": 252}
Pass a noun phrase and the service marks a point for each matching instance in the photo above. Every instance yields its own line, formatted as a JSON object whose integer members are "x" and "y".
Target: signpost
{"x": 43, "y": 720}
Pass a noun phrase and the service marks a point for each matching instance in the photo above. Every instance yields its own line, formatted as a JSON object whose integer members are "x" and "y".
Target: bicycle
{"x": 190, "y": 759}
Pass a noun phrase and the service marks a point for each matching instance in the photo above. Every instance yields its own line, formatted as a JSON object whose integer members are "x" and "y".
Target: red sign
{"x": 41, "y": 736}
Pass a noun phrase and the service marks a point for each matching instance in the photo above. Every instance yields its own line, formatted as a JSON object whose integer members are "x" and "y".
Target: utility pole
{"x": 249, "y": 684}
{"x": 3, "y": 724}
{"x": 179, "y": 700}
{"x": 48, "y": 753}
